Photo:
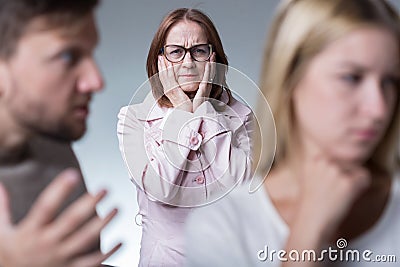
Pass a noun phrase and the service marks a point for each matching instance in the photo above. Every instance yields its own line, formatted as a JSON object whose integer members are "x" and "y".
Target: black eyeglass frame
{"x": 162, "y": 51}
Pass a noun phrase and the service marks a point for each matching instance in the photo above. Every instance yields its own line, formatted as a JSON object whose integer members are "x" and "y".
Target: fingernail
{"x": 114, "y": 248}
{"x": 118, "y": 246}
{"x": 102, "y": 193}
{"x": 111, "y": 214}
{"x": 114, "y": 211}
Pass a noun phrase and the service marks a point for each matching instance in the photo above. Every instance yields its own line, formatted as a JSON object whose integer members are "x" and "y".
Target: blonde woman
{"x": 331, "y": 76}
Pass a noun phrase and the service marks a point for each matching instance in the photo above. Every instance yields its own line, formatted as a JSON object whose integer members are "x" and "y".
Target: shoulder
{"x": 145, "y": 111}
{"x": 395, "y": 195}
{"x": 214, "y": 233}
{"x": 240, "y": 107}
{"x": 227, "y": 210}
{"x": 134, "y": 111}
{"x": 51, "y": 151}
{"x": 235, "y": 107}
{"x": 241, "y": 211}
{"x": 387, "y": 227}
{"x": 228, "y": 232}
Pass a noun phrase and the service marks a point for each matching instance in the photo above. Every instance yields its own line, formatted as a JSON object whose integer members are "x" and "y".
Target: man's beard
{"x": 63, "y": 134}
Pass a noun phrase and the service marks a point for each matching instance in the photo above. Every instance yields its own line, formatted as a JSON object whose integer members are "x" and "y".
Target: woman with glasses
{"x": 332, "y": 198}
{"x": 188, "y": 143}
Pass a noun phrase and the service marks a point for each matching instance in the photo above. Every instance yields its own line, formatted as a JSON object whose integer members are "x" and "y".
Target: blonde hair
{"x": 300, "y": 30}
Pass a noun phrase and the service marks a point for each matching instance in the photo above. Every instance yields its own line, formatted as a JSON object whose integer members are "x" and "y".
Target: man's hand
{"x": 43, "y": 239}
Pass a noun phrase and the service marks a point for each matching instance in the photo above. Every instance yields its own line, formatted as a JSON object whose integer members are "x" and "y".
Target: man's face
{"x": 48, "y": 83}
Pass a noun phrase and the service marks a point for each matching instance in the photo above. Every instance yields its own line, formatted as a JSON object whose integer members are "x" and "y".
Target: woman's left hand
{"x": 203, "y": 93}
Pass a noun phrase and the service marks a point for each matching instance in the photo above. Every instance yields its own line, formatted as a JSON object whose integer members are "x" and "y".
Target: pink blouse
{"x": 180, "y": 160}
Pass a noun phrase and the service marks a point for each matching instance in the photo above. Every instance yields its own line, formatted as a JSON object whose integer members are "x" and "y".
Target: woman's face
{"x": 188, "y": 72}
{"x": 345, "y": 100}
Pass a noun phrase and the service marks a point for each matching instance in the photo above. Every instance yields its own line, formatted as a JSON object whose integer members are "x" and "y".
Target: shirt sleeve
{"x": 156, "y": 158}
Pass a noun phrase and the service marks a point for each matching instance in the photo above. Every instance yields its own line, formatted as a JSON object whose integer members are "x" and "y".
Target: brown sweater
{"x": 27, "y": 177}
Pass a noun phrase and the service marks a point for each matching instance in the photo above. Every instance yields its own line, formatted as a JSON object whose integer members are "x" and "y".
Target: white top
{"x": 246, "y": 230}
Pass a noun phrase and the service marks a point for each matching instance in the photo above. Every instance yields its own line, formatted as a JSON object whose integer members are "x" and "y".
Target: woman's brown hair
{"x": 175, "y": 16}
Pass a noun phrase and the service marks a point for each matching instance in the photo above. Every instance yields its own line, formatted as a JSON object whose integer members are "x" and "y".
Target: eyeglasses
{"x": 176, "y": 53}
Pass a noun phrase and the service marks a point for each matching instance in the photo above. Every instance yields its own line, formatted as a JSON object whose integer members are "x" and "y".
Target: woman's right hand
{"x": 171, "y": 86}
{"x": 329, "y": 191}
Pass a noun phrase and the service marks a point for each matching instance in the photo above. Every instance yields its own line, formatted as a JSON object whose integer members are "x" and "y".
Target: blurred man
{"x": 47, "y": 77}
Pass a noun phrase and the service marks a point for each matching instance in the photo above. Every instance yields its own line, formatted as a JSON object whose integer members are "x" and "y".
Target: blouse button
{"x": 200, "y": 180}
{"x": 193, "y": 140}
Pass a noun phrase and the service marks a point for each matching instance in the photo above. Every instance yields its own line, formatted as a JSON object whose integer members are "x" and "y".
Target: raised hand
{"x": 171, "y": 86}
{"x": 329, "y": 189}
{"x": 43, "y": 239}
{"x": 203, "y": 93}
